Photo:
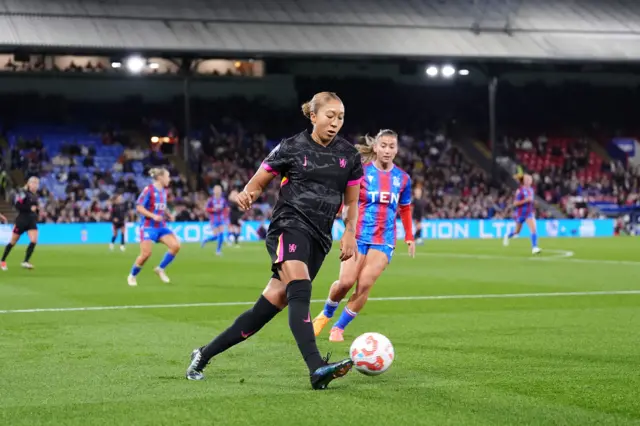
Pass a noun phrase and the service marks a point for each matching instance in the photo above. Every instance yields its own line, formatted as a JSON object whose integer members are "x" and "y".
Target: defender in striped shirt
{"x": 385, "y": 192}
{"x": 152, "y": 206}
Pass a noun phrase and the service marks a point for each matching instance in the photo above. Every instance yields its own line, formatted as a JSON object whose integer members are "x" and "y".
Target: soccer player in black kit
{"x": 235, "y": 214}
{"x": 26, "y": 202}
{"x": 118, "y": 221}
{"x": 318, "y": 170}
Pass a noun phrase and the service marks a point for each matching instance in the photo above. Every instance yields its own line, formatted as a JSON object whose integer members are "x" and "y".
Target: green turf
{"x": 561, "y": 360}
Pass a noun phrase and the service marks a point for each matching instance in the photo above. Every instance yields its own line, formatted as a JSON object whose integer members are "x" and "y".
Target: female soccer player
{"x": 152, "y": 206}
{"x": 27, "y": 221}
{"x": 216, "y": 207}
{"x": 118, "y": 217}
{"x": 385, "y": 190}
{"x": 525, "y": 212}
{"x": 317, "y": 170}
{"x": 235, "y": 214}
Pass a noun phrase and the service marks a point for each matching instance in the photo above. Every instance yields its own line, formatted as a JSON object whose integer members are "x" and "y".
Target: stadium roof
{"x": 536, "y": 29}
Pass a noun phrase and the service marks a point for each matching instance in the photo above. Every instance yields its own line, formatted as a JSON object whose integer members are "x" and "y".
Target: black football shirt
{"x": 314, "y": 180}
{"x": 23, "y": 202}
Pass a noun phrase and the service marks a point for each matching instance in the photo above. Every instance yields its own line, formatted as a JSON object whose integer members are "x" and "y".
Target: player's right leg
{"x": 531, "y": 224}
{"x": 270, "y": 303}
{"x": 513, "y": 233}
{"x": 33, "y": 240}
{"x": 15, "y": 236}
{"x": 114, "y": 235}
{"x": 145, "y": 252}
{"x": 349, "y": 271}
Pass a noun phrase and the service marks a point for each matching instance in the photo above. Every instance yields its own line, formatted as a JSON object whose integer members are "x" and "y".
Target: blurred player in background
{"x": 26, "y": 202}
{"x": 118, "y": 216}
{"x": 152, "y": 206}
{"x": 525, "y": 212}
{"x": 235, "y": 214}
{"x": 317, "y": 170}
{"x": 216, "y": 207}
{"x": 385, "y": 191}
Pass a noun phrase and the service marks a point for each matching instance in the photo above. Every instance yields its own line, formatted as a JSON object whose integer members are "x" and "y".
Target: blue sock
{"x": 534, "y": 240}
{"x": 511, "y": 234}
{"x": 166, "y": 260}
{"x": 345, "y": 318}
{"x": 135, "y": 270}
{"x": 220, "y": 242}
{"x": 330, "y": 308}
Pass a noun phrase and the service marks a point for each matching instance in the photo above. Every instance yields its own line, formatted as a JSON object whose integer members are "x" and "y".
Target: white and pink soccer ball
{"x": 372, "y": 354}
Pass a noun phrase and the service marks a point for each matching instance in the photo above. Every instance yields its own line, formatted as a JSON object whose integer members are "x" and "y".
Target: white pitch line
{"x": 563, "y": 255}
{"x": 375, "y": 299}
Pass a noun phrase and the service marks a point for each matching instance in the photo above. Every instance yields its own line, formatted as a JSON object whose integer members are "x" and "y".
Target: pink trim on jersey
{"x": 355, "y": 182}
{"x": 381, "y": 216}
{"x": 268, "y": 168}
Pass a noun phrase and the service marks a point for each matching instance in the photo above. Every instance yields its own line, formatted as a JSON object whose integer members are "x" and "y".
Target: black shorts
{"x": 294, "y": 244}
{"x": 24, "y": 224}
{"x": 118, "y": 225}
{"x": 234, "y": 220}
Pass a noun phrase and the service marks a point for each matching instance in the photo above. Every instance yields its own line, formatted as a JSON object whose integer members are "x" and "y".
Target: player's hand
{"x": 412, "y": 248}
{"x": 245, "y": 199}
{"x": 157, "y": 217}
{"x": 34, "y": 208}
{"x": 348, "y": 246}
{"x": 115, "y": 219}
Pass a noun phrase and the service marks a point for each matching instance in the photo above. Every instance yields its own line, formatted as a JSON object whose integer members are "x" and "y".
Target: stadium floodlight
{"x": 135, "y": 64}
{"x": 154, "y": 65}
{"x": 463, "y": 72}
{"x": 432, "y": 71}
{"x": 116, "y": 64}
{"x": 448, "y": 71}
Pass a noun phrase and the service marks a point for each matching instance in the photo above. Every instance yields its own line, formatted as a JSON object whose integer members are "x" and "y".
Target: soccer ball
{"x": 372, "y": 354}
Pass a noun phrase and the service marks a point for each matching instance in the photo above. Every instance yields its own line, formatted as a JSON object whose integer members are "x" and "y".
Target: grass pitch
{"x": 515, "y": 340}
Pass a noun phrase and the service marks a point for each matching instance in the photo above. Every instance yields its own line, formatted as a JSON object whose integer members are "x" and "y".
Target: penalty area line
{"x": 371, "y": 299}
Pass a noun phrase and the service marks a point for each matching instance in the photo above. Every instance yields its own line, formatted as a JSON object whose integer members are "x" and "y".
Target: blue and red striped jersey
{"x": 154, "y": 200}
{"x": 381, "y": 194}
{"x": 526, "y": 209}
{"x": 216, "y": 207}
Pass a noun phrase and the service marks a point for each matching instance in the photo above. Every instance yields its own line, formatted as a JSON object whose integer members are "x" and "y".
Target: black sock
{"x": 236, "y": 237}
{"x": 7, "y": 250}
{"x": 417, "y": 234}
{"x": 299, "y": 298}
{"x": 30, "y": 249}
{"x": 247, "y": 324}
{"x": 121, "y": 238}
{"x": 113, "y": 239}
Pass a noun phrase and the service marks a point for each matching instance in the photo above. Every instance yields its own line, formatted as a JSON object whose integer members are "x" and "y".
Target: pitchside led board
{"x": 192, "y": 232}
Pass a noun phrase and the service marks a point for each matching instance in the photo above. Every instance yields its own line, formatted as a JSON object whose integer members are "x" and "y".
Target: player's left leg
{"x": 15, "y": 236}
{"x": 33, "y": 240}
{"x": 122, "y": 231}
{"x": 114, "y": 235}
{"x": 219, "y": 239}
{"x": 173, "y": 245}
{"x": 531, "y": 224}
{"x": 377, "y": 260}
{"x": 146, "y": 246}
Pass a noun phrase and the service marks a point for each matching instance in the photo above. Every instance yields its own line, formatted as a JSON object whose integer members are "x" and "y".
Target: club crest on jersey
{"x": 370, "y": 177}
{"x": 343, "y": 163}
{"x": 292, "y": 248}
{"x": 396, "y": 181}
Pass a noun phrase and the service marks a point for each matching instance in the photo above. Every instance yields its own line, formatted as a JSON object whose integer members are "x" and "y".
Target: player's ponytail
{"x": 366, "y": 149}
{"x": 319, "y": 99}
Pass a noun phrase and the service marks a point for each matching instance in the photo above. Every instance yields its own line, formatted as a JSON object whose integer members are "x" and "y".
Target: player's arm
{"x": 209, "y": 207}
{"x": 22, "y": 203}
{"x": 350, "y": 208}
{"x": 277, "y": 162}
{"x": 405, "y": 211}
{"x": 3, "y": 219}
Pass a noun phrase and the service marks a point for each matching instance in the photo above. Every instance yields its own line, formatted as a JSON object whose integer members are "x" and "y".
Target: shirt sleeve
{"x": 405, "y": 195}
{"x": 278, "y": 161}
{"x": 22, "y": 202}
{"x": 356, "y": 173}
{"x": 143, "y": 199}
